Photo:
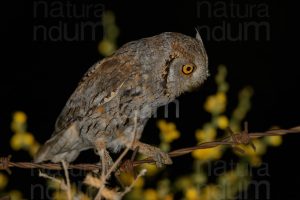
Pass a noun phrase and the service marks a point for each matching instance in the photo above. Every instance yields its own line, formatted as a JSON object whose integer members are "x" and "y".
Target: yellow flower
{"x": 260, "y": 148}
{"x": 221, "y": 97}
{"x": 223, "y": 87}
{"x": 128, "y": 178}
{"x": 18, "y": 123}
{"x": 150, "y": 194}
{"x": 273, "y": 140}
{"x": 170, "y": 136}
{"x": 112, "y": 32}
{"x": 16, "y": 142}
{"x": 222, "y": 122}
{"x": 62, "y": 195}
{"x": 139, "y": 183}
{"x": 34, "y": 148}
{"x": 243, "y": 106}
{"x": 221, "y": 75}
{"x": 183, "y": 183}
{"x": 84, "y": 197}
{"x": 254, "y": 155}
{"x": 239, "y": 113}
{"x": 210, "y": 192}
{"x": 19, "y": 117}
{"x": 59, "y": 195}
{"x": 229, "y": 178}
{"x": 200, "y": 135}
{"x": 169, "y": 133}
{"x": 208, "y": 133}
{"x": 210, "y": 103}
{"x": 235, "y": 125}
{"x": 208, "y": 154}
{"x": 54, "y": 184}
{"x": 191, "y": 194}
{"x": 15, "y": 195}
{"x": 200, "y": 177}
{"x": 3, "y": 181}
{"x": 108, "y": 18}
{"x": 168, "y": 197}
{"x": 216, "y": 104}
{"x": 21, "y": 140}
{"x": 170, "y": 127}
{"x": 151, "y": 169}
{"x": 106, "y": 47}
{"x": 28, "y": 139}
{"x": 255, "y": 161}
{"x": 135, "y": 194}
{"x": 162, "y": 124}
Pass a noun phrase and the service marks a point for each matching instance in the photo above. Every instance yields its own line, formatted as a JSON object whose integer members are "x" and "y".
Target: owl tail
{"x": 61, "y": 146}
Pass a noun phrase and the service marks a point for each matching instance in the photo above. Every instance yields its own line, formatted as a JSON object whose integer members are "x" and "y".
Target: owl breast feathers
{"x": 118, "y": 94}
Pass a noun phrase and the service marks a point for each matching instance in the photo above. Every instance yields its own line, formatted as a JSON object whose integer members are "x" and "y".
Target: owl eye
{"x": 187, "y": 69}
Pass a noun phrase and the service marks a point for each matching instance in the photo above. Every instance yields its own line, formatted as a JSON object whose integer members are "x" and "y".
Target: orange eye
{"x": 187, "y": 69}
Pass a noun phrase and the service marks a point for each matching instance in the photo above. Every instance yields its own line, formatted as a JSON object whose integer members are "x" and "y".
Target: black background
{"x": 37, "y": 76}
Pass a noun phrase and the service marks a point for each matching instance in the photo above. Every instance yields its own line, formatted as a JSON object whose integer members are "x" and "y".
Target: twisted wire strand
{"x": 243, "y": 137}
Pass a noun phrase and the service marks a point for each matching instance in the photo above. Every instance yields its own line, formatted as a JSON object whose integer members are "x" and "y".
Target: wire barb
{"x": 4, "y": 163}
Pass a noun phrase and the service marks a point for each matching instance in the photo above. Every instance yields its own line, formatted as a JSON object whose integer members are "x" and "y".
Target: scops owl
{"x": 118, "y": 94}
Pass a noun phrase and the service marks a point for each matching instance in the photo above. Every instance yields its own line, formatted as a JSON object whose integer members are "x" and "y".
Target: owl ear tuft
{"x": 198, "y": 37}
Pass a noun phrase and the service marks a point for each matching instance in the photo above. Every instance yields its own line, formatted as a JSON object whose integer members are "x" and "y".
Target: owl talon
{"x": 162, "y": 158}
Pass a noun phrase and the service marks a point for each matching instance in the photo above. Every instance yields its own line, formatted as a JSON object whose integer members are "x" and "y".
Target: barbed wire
{"x": 234, "y": 139}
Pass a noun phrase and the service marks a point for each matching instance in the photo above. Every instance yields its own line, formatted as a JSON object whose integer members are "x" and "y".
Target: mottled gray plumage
{"x": 139, "y": 77}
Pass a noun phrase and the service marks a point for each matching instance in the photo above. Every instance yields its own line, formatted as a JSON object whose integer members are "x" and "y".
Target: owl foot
{"x": 161, "y": 158}
{"x": 105, "y": 160}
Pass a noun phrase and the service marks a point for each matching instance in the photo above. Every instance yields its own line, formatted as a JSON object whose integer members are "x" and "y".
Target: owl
{"x": 117, "y": 95}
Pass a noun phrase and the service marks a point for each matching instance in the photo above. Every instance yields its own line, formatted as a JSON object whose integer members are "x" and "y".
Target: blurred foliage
{"x": 21, "y": 140}
{"x": 193, "y": 185}
{"x": 108, "y": 44}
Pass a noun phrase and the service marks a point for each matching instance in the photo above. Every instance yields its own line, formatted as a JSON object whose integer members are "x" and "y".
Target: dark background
{"x": 38, "y": 76}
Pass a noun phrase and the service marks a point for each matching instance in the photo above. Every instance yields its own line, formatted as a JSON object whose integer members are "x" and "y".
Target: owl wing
{"x": 98, "y": 85}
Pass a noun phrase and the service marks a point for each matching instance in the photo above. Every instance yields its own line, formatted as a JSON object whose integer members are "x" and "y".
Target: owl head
{"x": 186, "y": 66}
